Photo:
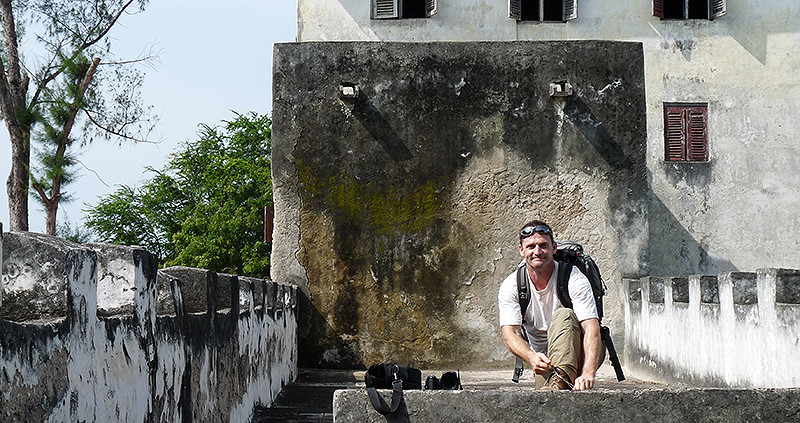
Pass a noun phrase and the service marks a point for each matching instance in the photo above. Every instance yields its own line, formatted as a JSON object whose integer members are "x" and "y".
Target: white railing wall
{"x": 736, "y": 329}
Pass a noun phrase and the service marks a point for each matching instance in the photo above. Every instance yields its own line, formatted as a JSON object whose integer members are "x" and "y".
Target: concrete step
{"x": 679, "y": 405}
{"x": 310, "y": 397}
{"x": 491, "y": 397}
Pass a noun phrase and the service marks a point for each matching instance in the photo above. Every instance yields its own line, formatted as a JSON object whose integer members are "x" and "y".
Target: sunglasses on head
{"x": 530, "y": 230}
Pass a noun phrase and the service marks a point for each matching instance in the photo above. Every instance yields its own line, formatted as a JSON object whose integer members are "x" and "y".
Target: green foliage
{"x": 75, "y": 234}
{"x": 206, "y": 207}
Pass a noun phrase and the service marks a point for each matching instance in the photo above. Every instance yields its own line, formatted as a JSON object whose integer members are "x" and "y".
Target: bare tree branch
{"x": 117, "y": 132}
{"x": 108, "y": 27}
{"x": 93, "y": 171}
{"x": 84, "y": 85}
{"x": 43, "y": 195}
{"x": 84, "y": 45}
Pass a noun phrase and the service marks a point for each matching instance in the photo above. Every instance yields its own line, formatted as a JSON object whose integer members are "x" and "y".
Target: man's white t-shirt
{"x": 543, "y": 304}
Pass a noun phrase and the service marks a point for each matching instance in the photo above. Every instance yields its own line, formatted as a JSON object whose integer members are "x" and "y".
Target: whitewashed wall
{"x": 181, "y": 364}
{"x": 736, "y": 329}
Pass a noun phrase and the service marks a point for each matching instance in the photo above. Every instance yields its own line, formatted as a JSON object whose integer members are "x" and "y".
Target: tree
{"x": 205, "y": 208}
{"x": 45, "y": 96}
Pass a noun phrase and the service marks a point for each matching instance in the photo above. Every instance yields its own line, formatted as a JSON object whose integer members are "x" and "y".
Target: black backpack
{"x": 570, "y": 254}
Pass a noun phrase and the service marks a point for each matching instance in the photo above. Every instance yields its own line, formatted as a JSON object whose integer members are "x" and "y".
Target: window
{"x": 689, "y": 9}
{"x": 685, "y": 132}
{"x": 393, "y": 9}
{"x": 543, "y": 10}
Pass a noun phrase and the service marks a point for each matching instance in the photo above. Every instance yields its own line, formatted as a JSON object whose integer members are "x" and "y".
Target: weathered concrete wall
{"x": 742, "y": 64}
{"x": 398, "y": 211}
{"x": 28, "y": 291}
{"x": 126, "y": 347}
{"x": 735, "y": 329}
{"x": 662, "y": 405}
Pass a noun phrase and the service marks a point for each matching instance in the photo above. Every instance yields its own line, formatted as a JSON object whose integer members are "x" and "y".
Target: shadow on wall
{"x": 380, "y": 129}
{"x": 674, "y": 251}
{"x": 313, "y": 327}
{"x": 592, "y": 129}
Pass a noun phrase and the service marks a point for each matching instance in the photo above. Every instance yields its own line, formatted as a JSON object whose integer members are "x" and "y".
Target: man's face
{"x": 538, "y": 251}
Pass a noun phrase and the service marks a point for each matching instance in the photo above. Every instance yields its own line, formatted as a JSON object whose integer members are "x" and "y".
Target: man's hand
{"x": 584, "y": 382}
{"x": 540, "y": 363}
{"x": 512, "y": 334}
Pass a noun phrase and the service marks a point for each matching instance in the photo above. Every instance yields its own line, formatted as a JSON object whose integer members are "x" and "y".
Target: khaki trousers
{"x": 565, "y": 345}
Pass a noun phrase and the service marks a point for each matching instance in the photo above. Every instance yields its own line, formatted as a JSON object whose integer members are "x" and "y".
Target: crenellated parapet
{"x": 735, "y": 329}
{"x": 96, "y": 332}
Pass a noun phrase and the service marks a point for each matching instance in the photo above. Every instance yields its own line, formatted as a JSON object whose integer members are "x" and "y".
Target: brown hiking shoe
{"x": 558, "y": 380}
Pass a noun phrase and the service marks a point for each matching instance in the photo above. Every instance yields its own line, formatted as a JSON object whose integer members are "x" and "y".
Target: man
{"x": 565, "y": 349}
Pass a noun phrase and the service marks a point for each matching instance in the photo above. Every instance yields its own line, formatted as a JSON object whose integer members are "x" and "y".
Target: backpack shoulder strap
{"x": 562, "y": 283}
{"x": 524, "y": 296}
{"x": 523, "y": 291}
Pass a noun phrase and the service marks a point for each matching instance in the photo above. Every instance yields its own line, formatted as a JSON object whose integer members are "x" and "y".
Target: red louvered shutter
{"x": 674, "y": 140}
{"x": 658, "y": 8}
{"x": 697, "y": 131}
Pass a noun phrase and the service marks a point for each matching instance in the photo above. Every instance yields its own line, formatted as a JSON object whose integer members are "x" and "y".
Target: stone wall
{"x": 398, "y": 208}
{"x": 735, "y": 329}
{"x": 95, "y": 333}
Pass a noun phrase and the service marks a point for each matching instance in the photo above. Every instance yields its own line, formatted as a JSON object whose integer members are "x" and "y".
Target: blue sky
{"x": 215, "y": 58}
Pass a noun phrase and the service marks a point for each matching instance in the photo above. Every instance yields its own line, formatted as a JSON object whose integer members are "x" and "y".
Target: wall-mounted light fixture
{"x": 348, "y": 91}
{"x": 560, "y": 89}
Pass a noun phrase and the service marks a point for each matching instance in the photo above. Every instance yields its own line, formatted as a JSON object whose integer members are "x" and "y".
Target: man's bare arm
{"x": 512, "y": 334}
{"x": 591, "y": 354}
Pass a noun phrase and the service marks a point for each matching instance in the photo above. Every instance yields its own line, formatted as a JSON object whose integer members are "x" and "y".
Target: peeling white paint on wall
{"x": 133, "y": 366}
{"x": 113, "y": 289}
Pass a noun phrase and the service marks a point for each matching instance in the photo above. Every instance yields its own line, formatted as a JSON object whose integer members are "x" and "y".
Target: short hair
{"x": 533, "y": 224}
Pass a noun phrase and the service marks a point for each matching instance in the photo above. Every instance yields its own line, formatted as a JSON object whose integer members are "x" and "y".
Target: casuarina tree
{"x": 56, "y": 93}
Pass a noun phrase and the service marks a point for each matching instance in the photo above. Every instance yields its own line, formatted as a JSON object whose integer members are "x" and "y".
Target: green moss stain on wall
{"x": 387, "y": 210}
{"x": 388, "y": 267}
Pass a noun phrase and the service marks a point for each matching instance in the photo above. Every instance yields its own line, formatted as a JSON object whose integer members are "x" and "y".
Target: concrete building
{"x": 734, "y": 59}
{"x": 707, "y": 184}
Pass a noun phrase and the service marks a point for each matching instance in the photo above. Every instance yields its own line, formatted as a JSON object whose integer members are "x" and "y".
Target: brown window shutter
{"x": 697, "y": 145}
{"x": 674, "y": 141}
{"x": 658, "y": 8}
{"x": 718, "y": 8}
{"x": 514, "y": 9}
{"x": 269, "y": 222}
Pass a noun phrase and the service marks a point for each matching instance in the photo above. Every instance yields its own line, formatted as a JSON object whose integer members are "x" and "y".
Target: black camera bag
{"x": 394, "y": 377}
